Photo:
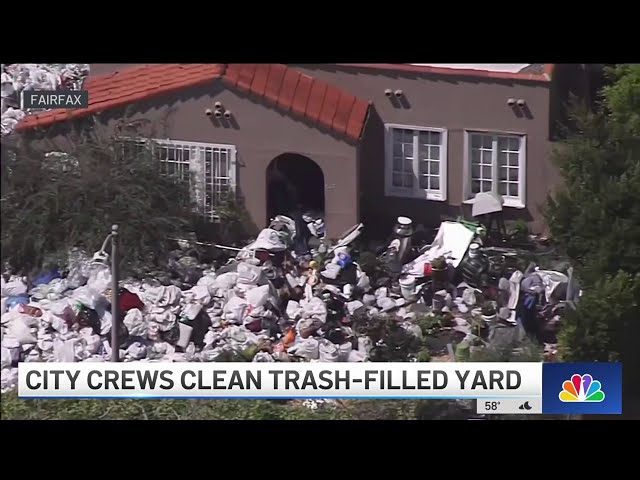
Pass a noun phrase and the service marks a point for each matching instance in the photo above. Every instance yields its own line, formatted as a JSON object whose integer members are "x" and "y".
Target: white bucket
{"x": 474, "y": 250}
{"x": 408, "y": 286}
{"x": 185, "y": 335}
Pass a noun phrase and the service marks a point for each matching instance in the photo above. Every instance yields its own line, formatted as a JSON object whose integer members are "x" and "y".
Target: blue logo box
{"x": 582, "y": 388}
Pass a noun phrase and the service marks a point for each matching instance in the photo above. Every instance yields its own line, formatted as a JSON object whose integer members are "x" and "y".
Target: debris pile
{"x": 290, "y": 295}
{"x": 19, "y": 77}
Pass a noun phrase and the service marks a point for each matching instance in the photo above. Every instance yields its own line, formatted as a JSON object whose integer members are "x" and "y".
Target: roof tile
{"x": 301, "y": 97}
{"x": 288, "y": 91}
{"x": 329, "y": 106}
{"x": 343, "y": 111}
{"x": 246, "y": 77}
{"x": 357, "y": 119}
{"x": 316, "y": 97}
{"x": 259, "y": 84}
{"x": 274, "y": 82}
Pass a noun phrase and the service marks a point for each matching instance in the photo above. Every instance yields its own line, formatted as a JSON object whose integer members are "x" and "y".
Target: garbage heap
{"x": 19, "y": 77}
{"x": 288, "y": 296}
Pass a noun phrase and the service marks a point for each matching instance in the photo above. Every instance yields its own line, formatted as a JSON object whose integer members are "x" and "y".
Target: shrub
{"x": 51, "y": 203}
{"x": 605, "y": 326}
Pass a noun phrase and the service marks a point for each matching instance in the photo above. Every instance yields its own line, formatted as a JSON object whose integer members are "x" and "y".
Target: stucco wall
{"x": 456, "y": 104}
{"x": 260, "y": 133}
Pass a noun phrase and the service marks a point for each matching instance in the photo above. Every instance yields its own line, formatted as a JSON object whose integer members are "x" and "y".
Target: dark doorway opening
{"x": 294, "y": 182}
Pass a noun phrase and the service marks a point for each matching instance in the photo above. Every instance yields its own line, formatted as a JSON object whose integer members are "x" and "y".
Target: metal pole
{"x": 115, "y": 321}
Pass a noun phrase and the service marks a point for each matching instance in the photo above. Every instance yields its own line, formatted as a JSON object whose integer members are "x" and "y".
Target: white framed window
{"x": 416, "y": 162}
{"x": 210, "y": 169}
{"x": 496, "y": 162}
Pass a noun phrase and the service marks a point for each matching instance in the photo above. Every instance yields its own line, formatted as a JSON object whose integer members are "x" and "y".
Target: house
{"x": 360, "y": 142}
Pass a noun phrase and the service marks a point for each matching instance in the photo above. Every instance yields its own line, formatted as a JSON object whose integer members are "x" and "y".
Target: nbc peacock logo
{"x": 581, "y": 388}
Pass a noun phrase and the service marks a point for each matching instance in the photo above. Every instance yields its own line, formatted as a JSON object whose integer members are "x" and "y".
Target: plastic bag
{"x": 14, "y": 288}
{"x": 314, "y": 308}
{"x": 135, "y": 323}
{"x": 136, "y": 351}
{"x": 235, "y": 310}
{"x": 328, "y": 352}
{"x": 308, "y": 349}
{"x": 248, "y": 274}
{"x": 257, "y": 297}
{"x": 263, "y": 357}
{"x": 344, "y": 351}
{"x": 87, "y": 297}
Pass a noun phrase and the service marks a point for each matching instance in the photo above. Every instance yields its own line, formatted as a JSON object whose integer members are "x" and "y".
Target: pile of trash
{"x": 290, "y": 295}
{"x": 19, "y": 77}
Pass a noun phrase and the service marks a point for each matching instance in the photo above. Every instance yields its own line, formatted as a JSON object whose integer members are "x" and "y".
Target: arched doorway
{"x": 294, "y": 181}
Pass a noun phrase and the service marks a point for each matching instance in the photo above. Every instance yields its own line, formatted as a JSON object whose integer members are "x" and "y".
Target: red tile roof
{"x": 284, "y": 87}
{"x": 292, "y": 91}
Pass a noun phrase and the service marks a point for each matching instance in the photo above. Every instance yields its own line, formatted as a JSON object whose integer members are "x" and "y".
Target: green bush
{"x": 605, "y": 326}
{"x": 52, "y": 203}
{"x": 14, "y": 408}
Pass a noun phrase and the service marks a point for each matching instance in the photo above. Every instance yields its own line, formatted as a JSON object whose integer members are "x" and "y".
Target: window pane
{"x": 476, "y": 141}
{"x": 502, "y": 188}
{"x": 397, "y": 164}
{"x": 396, "y": 180}
{"x": 503, "y": 143}
{"x": 407, "y": 149}
{"x": 397, "y": 149}
{"x": 487, "y": 141}
{"x": 186, "y": 154}
{"x": 424, "y": 167}
{"x": 171, "y": 154}
{"x": 504, "y": 173}
{"x": 434, "y": 153}
{"x": 397, "y": 136}
{"x": 408, "y": 165}
{"x": 435, "y": 168}
{"x": 513, "y": 174}
{"x": 513, "y": 189}
{"x": 475, "y": 186}
{"x": 475, "y": 156}
{"x": 486, "y": 157}
{"x": 435, "y": 183}
{"x": 408, "y": 180}
{"x": 486, "y": 173}
{"x": 486, "y": 186}
{"x": 503, "y": 158}
{"x": 424, "y": 181}
{"x": 424, "y": 151}
{"x": 163, "y": 153}
{"x": 514, "y": 159}
{"x": 436, "y": 138}
{"x": 514, "y": 144}
{"x": 475, "y": 171}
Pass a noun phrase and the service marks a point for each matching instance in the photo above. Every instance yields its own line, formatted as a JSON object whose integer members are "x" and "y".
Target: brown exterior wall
{"x": 260, "y": 133}
{"x": 456, "y": 104}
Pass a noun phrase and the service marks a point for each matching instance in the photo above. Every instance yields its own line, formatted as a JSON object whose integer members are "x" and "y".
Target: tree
{"x": 53, "y": 202}
{"x": 595, "y": 220}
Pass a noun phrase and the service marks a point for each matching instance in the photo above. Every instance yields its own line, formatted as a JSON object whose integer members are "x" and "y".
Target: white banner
{"x": 280, "y": 380}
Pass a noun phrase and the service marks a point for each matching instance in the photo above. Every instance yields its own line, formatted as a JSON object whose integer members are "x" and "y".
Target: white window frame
{"x": 415, "y": 192}
{"x": 197, "y": 169}
{"x": 509, "y": 201}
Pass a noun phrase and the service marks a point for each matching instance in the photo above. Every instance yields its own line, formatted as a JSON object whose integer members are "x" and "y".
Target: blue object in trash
{"x": 17, "y": 300}
{"x": 344, "y": 260}
{"x": 46, "y": 277}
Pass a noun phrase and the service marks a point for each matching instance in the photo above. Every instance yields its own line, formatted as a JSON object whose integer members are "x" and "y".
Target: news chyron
{"x": 499, "y": 388}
